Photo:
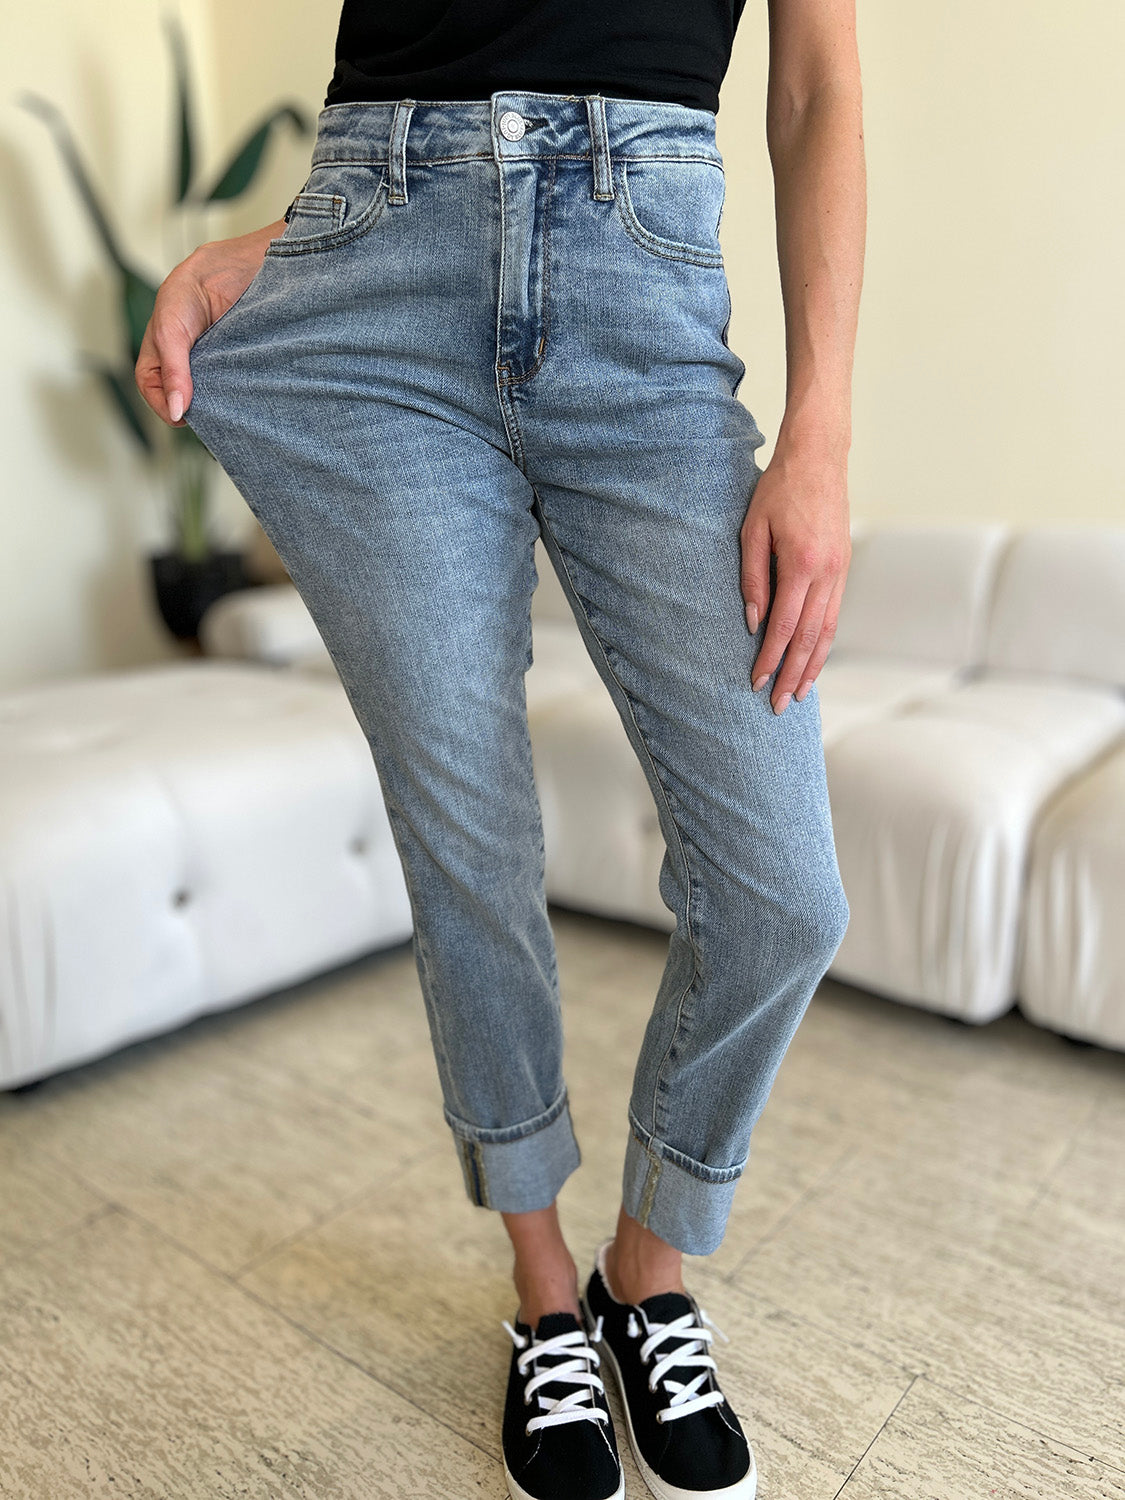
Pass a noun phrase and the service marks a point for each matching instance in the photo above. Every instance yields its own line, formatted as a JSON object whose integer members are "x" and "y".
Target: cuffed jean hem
{"x": 520, "y": 1168}
{"x": 681, "y": 1200}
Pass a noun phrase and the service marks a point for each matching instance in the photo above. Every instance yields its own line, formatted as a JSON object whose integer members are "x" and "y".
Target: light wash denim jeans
{"x": 488, "y": 321}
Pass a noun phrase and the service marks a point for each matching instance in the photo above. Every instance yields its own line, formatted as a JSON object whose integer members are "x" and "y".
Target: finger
{"x": 793, "y": 583}
{"x": 802, "y": 644}
{"x": 174, "y": 343}
{"x": 146, "y": 373}
{"x": 163, "y": 369}
{"x": 824, "y": 645}
{"x": 756, "y": 573}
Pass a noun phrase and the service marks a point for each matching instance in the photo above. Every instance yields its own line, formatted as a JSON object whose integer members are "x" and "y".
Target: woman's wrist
{"x": 815, "y": 434}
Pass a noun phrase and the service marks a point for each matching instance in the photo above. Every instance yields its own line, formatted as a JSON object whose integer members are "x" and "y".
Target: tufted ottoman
{"x": 175, "y": 840}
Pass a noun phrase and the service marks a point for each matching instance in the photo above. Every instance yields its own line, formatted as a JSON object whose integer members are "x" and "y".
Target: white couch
{"x": 179, "y": 839}
{"x": 935, "y": 804}
{"x": 973, "y": 711}
{"x": 175, "y": 840}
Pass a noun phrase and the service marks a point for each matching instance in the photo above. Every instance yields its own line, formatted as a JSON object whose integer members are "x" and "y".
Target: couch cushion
{"x": 918, "y": 592}
{"x": 269, "y": 624}
{"x": 856, "y": 689}
{"x": 1067, "y": 723}
{"x": 601, "y": 831}
{"x": 933, "y": 810}
{"x": 549, "y": 602}
{"x": 175, "y": 839}
{"x": 1059, "y": 604}
{"x": 561, "y": 664}
{"x": 1072, "y": 972}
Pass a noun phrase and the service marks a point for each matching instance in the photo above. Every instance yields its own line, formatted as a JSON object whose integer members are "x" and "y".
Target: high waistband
{"x": 512, "y": 124}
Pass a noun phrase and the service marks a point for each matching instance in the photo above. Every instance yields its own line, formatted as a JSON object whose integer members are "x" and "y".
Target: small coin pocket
{"x": 339, "y": 201}
{"x": 315, "y": 213}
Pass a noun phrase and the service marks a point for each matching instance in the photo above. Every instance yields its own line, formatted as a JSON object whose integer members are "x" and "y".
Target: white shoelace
{"x": 686, "y": 1394}
{"x": 578, "y": 1370}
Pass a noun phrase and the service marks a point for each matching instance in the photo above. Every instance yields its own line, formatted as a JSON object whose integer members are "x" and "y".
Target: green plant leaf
{"x": 185, "y": 163}
{"x": 81, "y": 178}
{"x": 192, "y": 472}
{"x": 138, "y": 293}
{"x": 137, "y": 298}
{"x": 126, "y": 399}
{"x": 243, "y": 166}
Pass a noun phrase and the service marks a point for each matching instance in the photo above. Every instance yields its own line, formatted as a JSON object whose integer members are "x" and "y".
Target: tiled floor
{"x": 238, "y": 1260}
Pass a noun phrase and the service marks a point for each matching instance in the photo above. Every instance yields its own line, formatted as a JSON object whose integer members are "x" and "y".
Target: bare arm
{"x": 191, "y": 297}
{"x": 799, "y": 510}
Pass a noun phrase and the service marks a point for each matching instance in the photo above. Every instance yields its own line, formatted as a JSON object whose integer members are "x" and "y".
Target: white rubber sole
{"x": 745, "y": 1489}
{"x": 517, "y": 1492}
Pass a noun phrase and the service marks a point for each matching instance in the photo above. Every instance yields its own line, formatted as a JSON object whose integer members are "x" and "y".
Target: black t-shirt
{"x": 672, "y": 50}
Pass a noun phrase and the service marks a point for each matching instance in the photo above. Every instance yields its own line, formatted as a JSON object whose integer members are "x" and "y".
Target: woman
{"x": 497, "y": 310}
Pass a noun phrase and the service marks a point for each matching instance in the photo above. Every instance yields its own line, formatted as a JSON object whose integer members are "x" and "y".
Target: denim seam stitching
{"x": 459, "y": 104}
{"x": 648, "y": 1193}
{"x": 321, "y": 243}
{"x": 510, "y": 380}
{"x": 683, "y": 257}
{"x": 511, "y": 421}
{"x": 508, "y": 1135}
{"x": 656, "y": 244}
{"x": 489, "y": 156}
{"x": 726, "y": 344}
{"x": 530, "y": 638}
{"x": 501, "y": 394}
{"x": 397, "y": 820}
{"x": 472, "y": 1163}
{"x": 690, "y": 898}
{"x": 654, "y": 1147}
{"x": 318, "y": 206}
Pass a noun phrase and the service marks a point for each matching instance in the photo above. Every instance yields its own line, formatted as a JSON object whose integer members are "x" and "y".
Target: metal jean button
{"x": 512, "y": 126}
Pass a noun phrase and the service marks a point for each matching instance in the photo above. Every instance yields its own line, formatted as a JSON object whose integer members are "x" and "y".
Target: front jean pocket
{"x": 226, "y": 317}
{"x": 340, "y": 201}
{"x": 672, "y": 206}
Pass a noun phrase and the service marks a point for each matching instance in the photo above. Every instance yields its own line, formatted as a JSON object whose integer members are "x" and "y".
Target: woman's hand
{"x": 192, "y": 297}
{"x": 800, "y": 511}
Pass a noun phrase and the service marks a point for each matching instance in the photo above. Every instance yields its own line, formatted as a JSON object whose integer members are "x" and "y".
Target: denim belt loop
{"x": 599, "y": 143}
{"x": 396, "y": 150}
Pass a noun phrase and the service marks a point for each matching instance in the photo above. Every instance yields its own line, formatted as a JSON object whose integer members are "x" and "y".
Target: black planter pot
{"x": 185, "y": 590}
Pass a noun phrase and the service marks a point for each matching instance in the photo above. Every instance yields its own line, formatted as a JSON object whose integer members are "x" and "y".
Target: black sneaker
{"x": 687, "y": 1441}
{"x": 558, "y": 1434}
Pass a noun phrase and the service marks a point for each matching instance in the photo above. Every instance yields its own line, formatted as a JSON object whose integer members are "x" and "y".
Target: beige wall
{"x": 989, "y": 378}
{"x": 78, "y": 509}
{"x": 292, "y": 44}
{"x": 988, "y": 374}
